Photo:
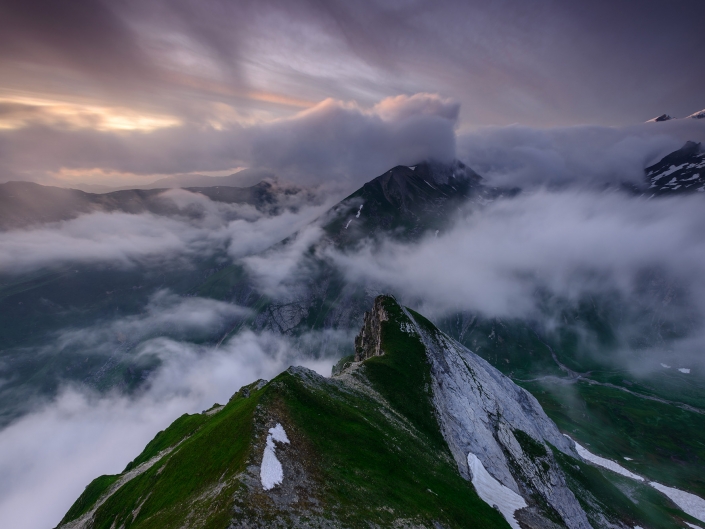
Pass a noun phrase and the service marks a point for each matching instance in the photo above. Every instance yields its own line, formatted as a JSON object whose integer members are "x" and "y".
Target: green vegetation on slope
{"x": 376, "y": 470}
{"x": 617, "y": 497}
{"x": 186, "y": 483}
{"x": 665, "y": 442}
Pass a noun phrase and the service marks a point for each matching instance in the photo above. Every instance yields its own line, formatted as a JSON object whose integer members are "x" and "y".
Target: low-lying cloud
{"x": 55, "y": 451}
{"x": 585, "y": 156}
{"x": 493, "y": 259}
{"x": 125, "y": 240}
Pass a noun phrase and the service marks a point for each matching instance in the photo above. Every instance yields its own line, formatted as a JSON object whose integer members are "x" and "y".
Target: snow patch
{"x": 666, "y": 366}
{"x": 628, "y": 458}
{"x": 429, "y": 185}
{"x": 689, "y": 503}
{"x": 684, "y": 370}
{"x": 412, "y": 167}
{"x": 271, "y": 472}
{"x": 348, "y": 224}
{"x": 669, "y": 171}
{"x": 358, "y": 212}
{"x": 494, "y": 493}
{"x": 604, "y": 463}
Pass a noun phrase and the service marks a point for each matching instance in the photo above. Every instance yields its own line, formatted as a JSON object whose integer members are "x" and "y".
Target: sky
{"x": 125, "y": 92}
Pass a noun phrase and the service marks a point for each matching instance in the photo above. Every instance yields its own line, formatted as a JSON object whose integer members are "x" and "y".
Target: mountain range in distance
{"x": 24, "y": 204}
{"x": 243, "y": 178}
{"x": 666, "y": 117}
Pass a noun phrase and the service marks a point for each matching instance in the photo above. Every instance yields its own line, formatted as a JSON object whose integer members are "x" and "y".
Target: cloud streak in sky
{"x": 545, "y": 63}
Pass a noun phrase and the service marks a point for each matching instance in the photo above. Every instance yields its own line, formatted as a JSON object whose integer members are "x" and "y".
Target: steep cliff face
{"x": 483, "y": 413}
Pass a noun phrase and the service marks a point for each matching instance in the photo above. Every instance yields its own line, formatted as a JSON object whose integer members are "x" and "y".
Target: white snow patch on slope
{"x": 271, "y": 472}
{"x": 666, "y": 366}
{"x": 348, "y": 224}
{"x": 493, "y": 492}
{"x": 692, "y": 525}
{"x": 690, "y": 503}
{"x": 358, "y": 211}
{"x": 684, "y": 370}
{"x": 604, "y": 463}
{"x": 669, "y": 172}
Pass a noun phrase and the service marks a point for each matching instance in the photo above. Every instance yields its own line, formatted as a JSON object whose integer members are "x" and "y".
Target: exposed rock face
{"x": 681, "y": 172}
{"x": 483, "y": 412}
{"x": 369, "y": 342}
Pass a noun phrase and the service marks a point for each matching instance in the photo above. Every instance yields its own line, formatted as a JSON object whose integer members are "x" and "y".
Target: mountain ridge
{"x": 369, "y": 447}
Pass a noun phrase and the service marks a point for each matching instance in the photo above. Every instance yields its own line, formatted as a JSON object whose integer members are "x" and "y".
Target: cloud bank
{"x": 128, "y": 240}
{"x": 493, "y": 259}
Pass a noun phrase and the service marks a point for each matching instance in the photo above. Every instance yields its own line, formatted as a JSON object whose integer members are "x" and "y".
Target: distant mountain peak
{"x": 698, "y": 115}
{"x": 407, "y": 201}
{"x": 662, "y": 117}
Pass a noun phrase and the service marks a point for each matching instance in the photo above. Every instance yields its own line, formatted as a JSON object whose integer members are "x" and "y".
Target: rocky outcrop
{"x": 368, "y": 342}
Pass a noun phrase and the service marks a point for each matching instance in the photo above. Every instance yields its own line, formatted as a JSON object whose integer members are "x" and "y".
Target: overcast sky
{"x": 87, "y": 87}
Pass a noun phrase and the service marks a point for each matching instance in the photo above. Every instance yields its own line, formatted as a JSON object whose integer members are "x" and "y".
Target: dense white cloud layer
{"x": 587, "y": 156}
{"x": 493, "y": 258}
{"x": 124, "y": 240}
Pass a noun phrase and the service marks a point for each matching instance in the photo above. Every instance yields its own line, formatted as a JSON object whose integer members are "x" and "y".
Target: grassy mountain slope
{"x": 365, "y": 450}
